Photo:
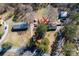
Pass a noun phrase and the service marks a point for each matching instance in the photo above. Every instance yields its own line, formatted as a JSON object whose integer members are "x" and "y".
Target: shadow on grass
{"x": 56, "y": 45}
{"x": 23, "y": 50}
{"x": 29, "y": 50}
{"x": 18, "y": 30}
{"x": 4, "y": 50}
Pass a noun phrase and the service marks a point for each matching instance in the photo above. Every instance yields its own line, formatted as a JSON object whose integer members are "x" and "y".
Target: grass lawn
{"x": 17, "y": 38}
{"x": 1, "y": 31}
{"x": 51, "y": 37}
{"x": 40, "y": 13}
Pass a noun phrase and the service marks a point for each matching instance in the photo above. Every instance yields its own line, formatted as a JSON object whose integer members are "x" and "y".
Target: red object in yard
{"x": 44, "y": 20}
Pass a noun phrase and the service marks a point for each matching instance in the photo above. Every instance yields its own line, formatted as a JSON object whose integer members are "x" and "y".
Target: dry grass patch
{"x": 40, "y": 13}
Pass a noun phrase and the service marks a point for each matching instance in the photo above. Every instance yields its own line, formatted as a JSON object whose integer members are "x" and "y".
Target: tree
{"x": 75, "y": 18}
{"x": 6, "y": 45}
{"x": 37, "y": 6}
{"x": 69, "y": 32}
{"x": 68, "y": 48}
{"x": 31, "y": 43}
{"x": 41, "y": 30}
{"x": 43, "y": 46}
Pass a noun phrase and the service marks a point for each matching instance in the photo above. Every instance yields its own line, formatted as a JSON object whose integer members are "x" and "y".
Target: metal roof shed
{"x": 20, "y": 26}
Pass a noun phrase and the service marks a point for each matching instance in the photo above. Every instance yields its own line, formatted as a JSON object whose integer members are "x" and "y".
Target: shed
{"x": 20, "y": 26}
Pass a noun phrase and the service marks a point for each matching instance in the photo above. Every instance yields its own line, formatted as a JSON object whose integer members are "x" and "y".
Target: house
{"x": 51, "y": 27}
{"x": 20, "y": 26}
{"x": 63, "y": 15}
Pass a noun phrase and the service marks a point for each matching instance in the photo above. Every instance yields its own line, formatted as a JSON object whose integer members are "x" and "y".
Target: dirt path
{"x": 51, "y": 37}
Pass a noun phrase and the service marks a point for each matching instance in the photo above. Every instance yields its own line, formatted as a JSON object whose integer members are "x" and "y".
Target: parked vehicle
{"x": 51, "y": 27}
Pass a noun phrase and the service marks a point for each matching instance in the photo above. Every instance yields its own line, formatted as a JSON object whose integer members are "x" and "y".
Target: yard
{"x": 17, "y": 38}
{"x": 49, "y": 35}
{"x": 1, "y": 31}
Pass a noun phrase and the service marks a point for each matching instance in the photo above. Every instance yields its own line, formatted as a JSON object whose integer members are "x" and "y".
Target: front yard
{"x": 17, "y": 39}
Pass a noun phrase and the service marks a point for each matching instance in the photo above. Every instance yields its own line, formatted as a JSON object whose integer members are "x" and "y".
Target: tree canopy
{"x": 43, "y": 46}
{"x": 75, "y": 18}
{"x": 41, "y": 30}
{"x": 69, "y": 32}
{"x": 68, "y": 48}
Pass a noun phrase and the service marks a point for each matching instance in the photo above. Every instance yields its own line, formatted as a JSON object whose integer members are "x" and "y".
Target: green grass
{"x": 8, "y": 15}
{"x": 1, "y": 31}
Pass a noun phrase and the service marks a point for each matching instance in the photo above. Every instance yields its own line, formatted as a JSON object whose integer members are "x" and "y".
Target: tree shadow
{"x": 4, "y": 50}
{"x": 56, "y": 45}
{"x": 30, "y": 48}
{"x": 18, "y": 30}
{"x": 22, "y": 50}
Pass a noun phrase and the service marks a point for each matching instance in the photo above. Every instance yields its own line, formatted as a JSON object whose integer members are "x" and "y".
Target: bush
{"x": 6, "y": 45}
{"x": 37, "y": 6}
{"x": 68, "y": 48}
{"x": 41, "y": 30}
{"x": 43, "y": 46}
{"x": 75, "y": 18}
{"x": 9, "y": 15}
{"x": 31, "y": 43}
{"x": 69, "y": 32}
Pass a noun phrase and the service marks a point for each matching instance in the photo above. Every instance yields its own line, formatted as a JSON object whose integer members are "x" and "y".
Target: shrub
{"x": 6, "y": 45}
{"x": 9, "y": 15}
{"x": 41, "y": 30}
{"x": 43, "y": 46}
{"x": 68, "y": 48}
